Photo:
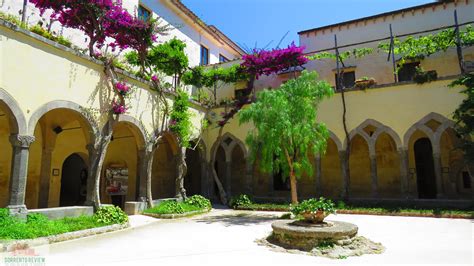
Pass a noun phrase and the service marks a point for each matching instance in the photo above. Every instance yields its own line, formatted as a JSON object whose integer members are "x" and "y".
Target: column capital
{"x": 21, "y": 141}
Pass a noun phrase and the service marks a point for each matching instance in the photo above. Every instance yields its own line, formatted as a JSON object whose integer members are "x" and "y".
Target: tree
{"x": 180, "y": 125}
{"x": 286, "y": 131}
{"x": 464, "y": 117}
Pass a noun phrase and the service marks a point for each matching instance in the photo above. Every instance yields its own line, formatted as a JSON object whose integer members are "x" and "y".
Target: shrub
{"x": 111, "y": 215}
{"x": 36, "y": 218}
{"x": 239, "y": 201}
{"x": 313, "y": 205}
{"x": 199, "y": 201}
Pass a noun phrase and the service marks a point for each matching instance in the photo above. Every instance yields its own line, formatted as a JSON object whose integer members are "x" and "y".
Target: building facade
{"x": 401, "y": 133}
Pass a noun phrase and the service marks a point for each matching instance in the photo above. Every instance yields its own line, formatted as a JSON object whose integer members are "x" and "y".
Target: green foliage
{"x": 239, "y": 201}
{"x": 464, "y": 116}
{"x": 168, "y": 58}
{"x": 172, "y": 207}
{"x": 416, "y": 48}
{"x": 36, "y": 218}
{"x": 313, "y": 205}
{"x": 13, "y": 19}
{"x": 354, "y": 53}
{"x": 110, "y": 215}
{"x": 199, "y": 201}
{"x": 180, "y": 118}
{"x": 37, "y": 225}
{"x": 208, "y": 77}
{"x": 48, "y": 35}
{"x": 421, "y": 76}
{"x": 286, "y": 127}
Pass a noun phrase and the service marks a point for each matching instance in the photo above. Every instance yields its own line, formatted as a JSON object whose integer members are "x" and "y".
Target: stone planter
{"x": 363, "y": 84}
{"x": 315, "y": 217}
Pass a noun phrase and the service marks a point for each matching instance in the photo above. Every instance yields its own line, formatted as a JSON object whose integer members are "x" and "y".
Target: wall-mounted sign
{"x": 55, "y": 172}
{"x": 116, "y": 181}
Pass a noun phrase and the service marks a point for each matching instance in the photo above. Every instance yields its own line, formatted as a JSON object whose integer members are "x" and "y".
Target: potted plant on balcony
{"x": 364, "y": 83}
{"x": 314, "y": 210}
{"x": 421, "y": 76}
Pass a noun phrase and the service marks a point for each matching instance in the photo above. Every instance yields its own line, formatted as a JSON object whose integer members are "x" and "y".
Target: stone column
{"x": 438, "y": 174}
{"x": 45, "y": 176}
{"x": 142, "y": 175}
{"x": 318, "y": 175}
{"x": 404, "y": 171}
{"x": 19, "y": 172}
{"x": 373, "y": 175}
{"x": 345, "y": 179}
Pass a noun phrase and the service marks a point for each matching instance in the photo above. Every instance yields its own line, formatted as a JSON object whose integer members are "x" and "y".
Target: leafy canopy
{"x": 464, "y": 116}
{"x": 285, "y": 123}
{"x": 180, "y": 118}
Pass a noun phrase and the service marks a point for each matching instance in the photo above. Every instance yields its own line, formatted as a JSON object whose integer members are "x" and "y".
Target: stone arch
{"x": 336, "y": 140}
{"x": 9, "y": 104}
{"x": 433, "y": 135}
{"x": 372, "y": 138}
{"x": 138, "y": 130}
{"x": 60, "y": 104}
{"x": 194, "y": 181}
{"x": 228, "y": 142}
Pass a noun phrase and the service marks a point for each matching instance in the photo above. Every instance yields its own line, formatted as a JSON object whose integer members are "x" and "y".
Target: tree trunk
{"x": 293, "y": 187}
{"x": 182, "y": 169}
{"x": 345, "y": 193}
{"x": 222, "y": 193}
{"x": 100, "y": 149}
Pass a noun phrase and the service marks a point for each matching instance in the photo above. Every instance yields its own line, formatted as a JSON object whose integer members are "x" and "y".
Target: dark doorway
{"x": 192, "y": 180}
{"x": 73, "y": 182}
{"x": 425, "y": 173}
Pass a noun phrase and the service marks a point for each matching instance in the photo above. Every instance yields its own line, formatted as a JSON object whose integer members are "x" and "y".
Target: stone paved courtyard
{"x": 227, "y": 237}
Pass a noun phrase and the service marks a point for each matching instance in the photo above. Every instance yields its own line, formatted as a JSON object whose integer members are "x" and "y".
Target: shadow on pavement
{"x": 244, "y": 219}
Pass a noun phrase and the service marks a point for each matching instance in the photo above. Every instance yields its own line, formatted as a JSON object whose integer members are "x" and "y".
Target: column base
{"x": 19, "y": 211}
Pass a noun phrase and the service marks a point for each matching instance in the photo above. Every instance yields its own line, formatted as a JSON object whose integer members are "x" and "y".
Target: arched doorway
{"x": 220, "y": 167}
{"x": 192, "y": 180}
{"x": 359, "y": 164}
{"x": 237, "y": 172}
{"x": 163, "y": 180}
{"x": 426, "y": 179}
{"x": 331, "y": 180}
{"x": 388, "y": 167}
{"x": 73, "y": 181}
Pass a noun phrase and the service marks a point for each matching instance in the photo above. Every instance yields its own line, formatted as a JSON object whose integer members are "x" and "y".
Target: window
{"x": 223, "y": 59}
{"x": 407, "y": 71}
{"x": 143, "y": 13}
{"x": 279, "y": 184}
{"x": 204, "y": 56}
{"x": 348, "y": 79}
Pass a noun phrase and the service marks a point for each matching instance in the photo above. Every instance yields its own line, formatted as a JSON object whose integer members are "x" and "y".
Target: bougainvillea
{"x": 118, "y": 108}
{"x": 263, "y": 62}
{"x": 91, "y": 17}
{"x": 122, "y": 88}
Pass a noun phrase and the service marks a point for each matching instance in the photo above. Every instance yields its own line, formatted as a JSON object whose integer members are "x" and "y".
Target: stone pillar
{"x": 19, "y": 172}
{"x": 45, "y": 176}
{"x": 438, "y": 174}
{"x": 373, "y": 175}
{"x": 345, "y": 179}
{"x": 404, "y": 173}
{"x": 142, "y": 175}
{"x": 318, "y": 175}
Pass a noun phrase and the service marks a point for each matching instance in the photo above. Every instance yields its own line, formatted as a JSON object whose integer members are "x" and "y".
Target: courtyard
{"x": 227, "y": 237}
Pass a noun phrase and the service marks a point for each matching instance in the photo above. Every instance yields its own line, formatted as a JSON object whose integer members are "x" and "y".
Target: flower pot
{"x": 364, "y": 83}
{"x": 314, "y": 217}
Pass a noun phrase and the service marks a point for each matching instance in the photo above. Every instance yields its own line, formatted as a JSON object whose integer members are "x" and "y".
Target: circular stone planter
{"x": 306, "y": 236}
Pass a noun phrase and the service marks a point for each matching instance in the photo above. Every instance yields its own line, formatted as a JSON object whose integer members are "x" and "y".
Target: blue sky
{"x": 259, "y": 22}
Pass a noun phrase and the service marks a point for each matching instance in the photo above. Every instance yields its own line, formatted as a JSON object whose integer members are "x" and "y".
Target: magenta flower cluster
{"x": 122, "y": 88}
{"x": 118, "y": 108}
{"x": 263, "y": 62}
{"x": 100, "y": 19}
